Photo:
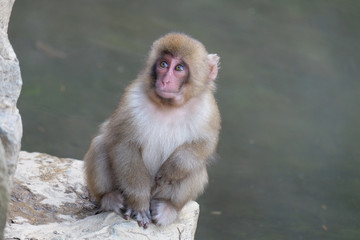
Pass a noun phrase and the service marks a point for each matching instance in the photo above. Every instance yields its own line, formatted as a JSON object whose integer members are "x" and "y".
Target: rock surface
{"x": 10, "y": 120}
{"x": 4, "y": 191}
{"x": 10, "y": 87}
{"x": 50, "y": 201}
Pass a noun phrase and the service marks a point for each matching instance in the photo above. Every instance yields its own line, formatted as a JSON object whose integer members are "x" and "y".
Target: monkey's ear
{"x": 214, "y": 65}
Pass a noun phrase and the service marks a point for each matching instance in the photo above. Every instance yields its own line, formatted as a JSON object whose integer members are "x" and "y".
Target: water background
{"x": 288, "y": 92}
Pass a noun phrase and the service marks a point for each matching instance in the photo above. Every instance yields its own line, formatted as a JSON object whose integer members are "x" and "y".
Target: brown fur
{"x": 117, "y": 160}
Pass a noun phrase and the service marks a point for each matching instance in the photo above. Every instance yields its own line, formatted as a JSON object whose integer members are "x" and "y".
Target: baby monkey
{"x": 149, "y": 158}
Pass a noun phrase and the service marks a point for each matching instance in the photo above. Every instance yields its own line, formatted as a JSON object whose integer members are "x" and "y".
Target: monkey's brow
{"x": 165, "y": 52}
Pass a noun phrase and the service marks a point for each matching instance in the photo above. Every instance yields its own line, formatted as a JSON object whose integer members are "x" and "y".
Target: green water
{"x": 288, "y": 91}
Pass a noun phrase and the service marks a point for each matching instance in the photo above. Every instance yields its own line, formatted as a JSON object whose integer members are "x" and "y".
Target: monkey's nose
{"x": 166, "y": 80}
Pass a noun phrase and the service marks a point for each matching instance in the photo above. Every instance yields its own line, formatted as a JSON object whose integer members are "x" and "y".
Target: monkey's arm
{"x": 184, "y": 173}
{"x": 185, "y": 159}
{"x": 181, "y": 178}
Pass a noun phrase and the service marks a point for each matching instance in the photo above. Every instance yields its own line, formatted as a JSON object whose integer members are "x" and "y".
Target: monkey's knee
{"x": 163, "y": 212}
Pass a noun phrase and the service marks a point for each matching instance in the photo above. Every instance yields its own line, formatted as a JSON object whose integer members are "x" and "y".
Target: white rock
{"x": 5, "y": 12}
{"x": 50, "y": 201}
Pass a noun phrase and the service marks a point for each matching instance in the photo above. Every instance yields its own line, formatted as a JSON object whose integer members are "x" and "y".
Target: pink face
{"x": 171, "y": 73}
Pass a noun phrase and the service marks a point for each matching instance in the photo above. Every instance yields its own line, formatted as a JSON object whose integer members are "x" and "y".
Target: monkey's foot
{"x": 142, "y": 217}
{"x": 162, "y": 212}
{"x": 112, "y": 201}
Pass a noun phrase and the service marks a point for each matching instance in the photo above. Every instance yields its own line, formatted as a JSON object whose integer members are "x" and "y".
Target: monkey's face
{"x": 171, "y": 74}
{"x": 178, "y": 69}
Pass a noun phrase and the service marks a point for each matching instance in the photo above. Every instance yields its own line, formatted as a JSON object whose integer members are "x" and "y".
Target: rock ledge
{"x": 50, "y": 201}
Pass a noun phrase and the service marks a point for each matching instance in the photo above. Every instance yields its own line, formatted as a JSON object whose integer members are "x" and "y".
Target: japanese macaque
{"x": 150, "y": 156}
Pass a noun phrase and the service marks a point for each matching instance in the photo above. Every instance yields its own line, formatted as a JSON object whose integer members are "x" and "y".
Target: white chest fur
{"x": 160, "y": 132}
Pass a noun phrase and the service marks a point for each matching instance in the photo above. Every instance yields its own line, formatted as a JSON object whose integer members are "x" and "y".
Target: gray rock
{"x": 4, "y": 191}
{"x": 10, "y": 120}
{"x": 10, "y": 87}
{"x": 50, "y": 201}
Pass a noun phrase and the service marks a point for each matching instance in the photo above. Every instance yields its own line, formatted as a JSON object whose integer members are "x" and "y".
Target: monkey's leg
{"x": 133, "y": 178}
{"x": 98, "y": 176}
{"x": 180, "y": 179}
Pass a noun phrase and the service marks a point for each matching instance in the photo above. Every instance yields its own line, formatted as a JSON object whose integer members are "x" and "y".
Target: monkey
{"x": 150, "y": 157}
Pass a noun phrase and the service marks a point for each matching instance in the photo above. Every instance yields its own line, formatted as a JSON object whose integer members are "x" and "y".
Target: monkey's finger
{"x": 141, "y": 223}
{"x": 139, "y": 220}
{"x": 158, "y": 180}
{"x": 148, "y": 214}
{"x": 142, "y": 219}
{"x": 98, "y": 211}
{"x": 158, "y": 176}
{"x": 146, "y": 218}
{"x": 127, "y": 213}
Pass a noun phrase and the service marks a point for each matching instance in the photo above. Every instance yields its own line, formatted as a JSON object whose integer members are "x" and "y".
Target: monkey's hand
{"x": 143, "y": 218}
{"x": 169, "y": 174}
{"x": 112, "y": 201}
{"x": 185, "y": 160}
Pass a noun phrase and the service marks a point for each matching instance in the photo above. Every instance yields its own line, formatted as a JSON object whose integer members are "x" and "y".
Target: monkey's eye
{"x": 179, "y": 68}
{"x": 163, "y": 64}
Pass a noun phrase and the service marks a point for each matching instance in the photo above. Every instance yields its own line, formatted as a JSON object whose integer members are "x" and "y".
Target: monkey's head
{"x": 179, "y": 68}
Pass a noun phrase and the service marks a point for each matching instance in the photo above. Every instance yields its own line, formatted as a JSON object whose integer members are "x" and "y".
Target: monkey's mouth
{"x": 166, "y": 94}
